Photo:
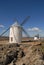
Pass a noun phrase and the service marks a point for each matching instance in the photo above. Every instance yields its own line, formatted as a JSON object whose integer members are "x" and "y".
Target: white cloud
{"x": 1, "y": 26}
{"x": 34, "y": 29}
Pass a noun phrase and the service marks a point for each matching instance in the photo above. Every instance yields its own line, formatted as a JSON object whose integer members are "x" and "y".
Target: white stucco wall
{"x": 15, "y": 34}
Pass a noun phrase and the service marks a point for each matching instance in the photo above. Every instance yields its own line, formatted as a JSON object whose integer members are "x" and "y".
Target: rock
{"x": 17, "y": 55}
{"x": 38, "y": 62}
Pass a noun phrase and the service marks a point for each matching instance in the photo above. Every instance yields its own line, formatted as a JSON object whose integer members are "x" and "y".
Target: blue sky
{"x": 11, "y": 9}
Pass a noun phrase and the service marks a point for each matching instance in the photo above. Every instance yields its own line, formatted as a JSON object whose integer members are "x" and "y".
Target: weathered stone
{"x": 21, "y": 55}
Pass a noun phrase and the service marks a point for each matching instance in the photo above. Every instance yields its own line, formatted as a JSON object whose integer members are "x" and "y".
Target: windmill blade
{"x": 5, "y": 31}
{"x": 25, "y": 32}
{"x": 25, "y": 20}
{"x": 8, "y": 28}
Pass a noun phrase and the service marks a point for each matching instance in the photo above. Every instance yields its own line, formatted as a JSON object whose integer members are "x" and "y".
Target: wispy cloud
{"x": 34, "y": 29}
{"x": 1, "y": 26}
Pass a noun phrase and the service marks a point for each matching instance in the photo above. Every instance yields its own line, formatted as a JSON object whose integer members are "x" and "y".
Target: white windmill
{"x": 15, "y": 35}
{"x": 36, "y": 37}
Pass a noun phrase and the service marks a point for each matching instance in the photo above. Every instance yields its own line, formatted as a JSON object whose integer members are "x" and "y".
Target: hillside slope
{"x": 24, "y": 54}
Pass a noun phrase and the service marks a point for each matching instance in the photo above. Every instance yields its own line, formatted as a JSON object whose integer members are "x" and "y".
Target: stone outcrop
{"x": 15, "y": 54}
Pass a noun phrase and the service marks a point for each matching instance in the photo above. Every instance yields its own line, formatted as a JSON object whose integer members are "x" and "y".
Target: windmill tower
{"x": 15, "y": 35}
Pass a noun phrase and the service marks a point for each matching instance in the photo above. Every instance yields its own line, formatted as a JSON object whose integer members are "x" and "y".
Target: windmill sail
{"x": 25, "y": 32}
{"x": 25, "y": 20}
{"x": 5, "y": 31}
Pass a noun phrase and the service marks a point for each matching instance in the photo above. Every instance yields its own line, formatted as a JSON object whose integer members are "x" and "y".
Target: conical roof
{"x": 16, "y": 24}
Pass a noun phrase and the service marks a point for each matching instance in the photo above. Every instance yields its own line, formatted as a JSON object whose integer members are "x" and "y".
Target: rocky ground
{"x": 22, "y": 54}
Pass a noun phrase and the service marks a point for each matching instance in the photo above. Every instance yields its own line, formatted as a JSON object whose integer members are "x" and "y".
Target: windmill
{"x": 15, "y": 35}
